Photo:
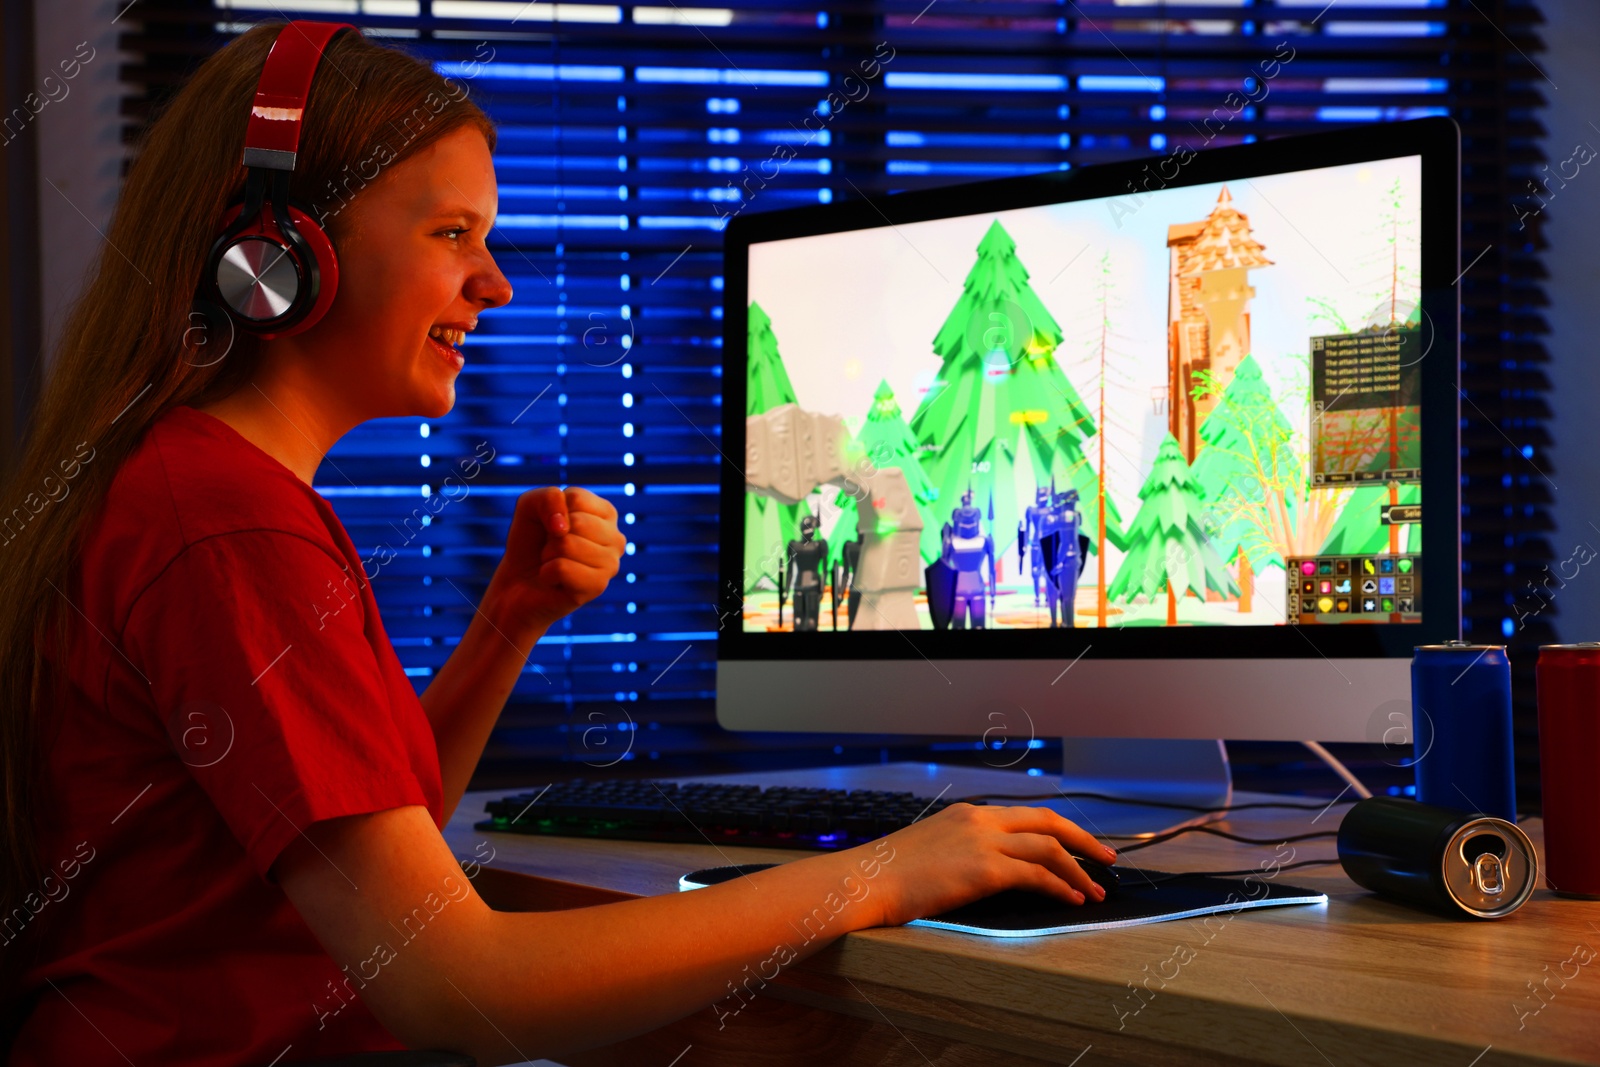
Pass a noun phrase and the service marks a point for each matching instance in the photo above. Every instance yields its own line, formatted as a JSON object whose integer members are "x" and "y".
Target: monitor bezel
{"x": 1435, "y": 140}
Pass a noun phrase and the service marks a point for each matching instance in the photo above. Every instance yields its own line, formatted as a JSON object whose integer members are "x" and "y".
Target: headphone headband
{"x": 272, "y": 269}
{"x": 273, "y": 136}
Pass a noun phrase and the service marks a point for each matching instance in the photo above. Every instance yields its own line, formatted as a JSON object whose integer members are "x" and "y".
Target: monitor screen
{"x": 1133, "y": 450}
{"x": 1194, "y": 405}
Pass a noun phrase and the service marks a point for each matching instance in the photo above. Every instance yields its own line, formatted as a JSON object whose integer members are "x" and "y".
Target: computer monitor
{"x": 1135, "y": 450}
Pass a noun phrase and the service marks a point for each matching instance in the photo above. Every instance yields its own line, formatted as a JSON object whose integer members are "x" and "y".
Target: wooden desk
{"x": 1357, "y": 981}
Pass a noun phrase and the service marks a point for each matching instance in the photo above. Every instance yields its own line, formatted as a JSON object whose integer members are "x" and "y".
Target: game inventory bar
{"x": 1354, "y": 588}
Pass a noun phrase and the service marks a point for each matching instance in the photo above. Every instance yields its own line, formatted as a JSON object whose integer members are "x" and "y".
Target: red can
{"x": 1569, "y": 766}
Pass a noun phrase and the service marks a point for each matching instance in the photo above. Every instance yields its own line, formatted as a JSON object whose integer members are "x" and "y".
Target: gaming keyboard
{"x": 698, "y": 812}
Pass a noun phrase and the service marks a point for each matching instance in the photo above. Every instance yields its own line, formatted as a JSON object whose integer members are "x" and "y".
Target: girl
{"x": 221, "y": 789}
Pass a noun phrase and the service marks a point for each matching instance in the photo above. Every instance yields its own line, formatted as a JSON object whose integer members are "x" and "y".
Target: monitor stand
{"x": 1177, "y": 771}
{"x": 1172, "y": 770}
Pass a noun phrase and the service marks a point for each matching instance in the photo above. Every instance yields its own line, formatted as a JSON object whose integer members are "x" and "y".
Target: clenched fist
{"x": 563, "y": 550}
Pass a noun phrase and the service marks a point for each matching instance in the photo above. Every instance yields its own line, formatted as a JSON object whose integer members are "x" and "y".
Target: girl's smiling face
{"x": 413, "y": 261}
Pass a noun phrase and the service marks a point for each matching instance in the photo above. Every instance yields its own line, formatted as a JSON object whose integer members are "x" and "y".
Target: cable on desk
{"x": 1153, "y": 803}
{"x": 1338, "y": 768}
{"x": 1146, "y": 842}
{"x": 1168, "y": 877}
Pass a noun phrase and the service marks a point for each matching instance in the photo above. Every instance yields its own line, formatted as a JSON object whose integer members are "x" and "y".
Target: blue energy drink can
{"x": 1461, "y": 728}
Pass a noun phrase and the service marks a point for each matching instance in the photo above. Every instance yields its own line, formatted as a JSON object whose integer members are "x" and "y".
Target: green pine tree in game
{"x": 888, "y": 442}
{"x": 1404, "y": 287}
{"x": 768, "y": 524}
{"x": 1168, "y": 551}
{"x": 1252, "y": 476}
{"x": 1001, "y": 401}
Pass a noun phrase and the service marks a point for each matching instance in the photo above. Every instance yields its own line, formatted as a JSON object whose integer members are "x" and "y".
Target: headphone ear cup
{"x": 272, "y": 284}
{"x": 326, "y": 263}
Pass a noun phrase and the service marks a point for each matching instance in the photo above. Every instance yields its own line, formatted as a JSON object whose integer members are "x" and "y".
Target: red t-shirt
{"x": 228, "y": 682}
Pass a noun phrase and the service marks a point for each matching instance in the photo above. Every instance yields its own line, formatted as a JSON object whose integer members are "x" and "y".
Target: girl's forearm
{"x": 550, "y": 982}
{"x": 469, "y": 692}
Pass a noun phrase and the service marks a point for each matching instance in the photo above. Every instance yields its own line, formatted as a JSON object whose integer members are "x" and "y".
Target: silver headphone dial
{"x": 257, "y": 278}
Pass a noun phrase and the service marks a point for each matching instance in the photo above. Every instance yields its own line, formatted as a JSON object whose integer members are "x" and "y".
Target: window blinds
{"x": 629, "y": 133}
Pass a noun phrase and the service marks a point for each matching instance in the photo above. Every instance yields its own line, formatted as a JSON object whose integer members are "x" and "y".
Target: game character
{"x": 966, "y": 547}
{"x": 806, "y": 558}
{"x": 1059, "y": 545}
{"x": 1028, "y": 531}
{"x": 844, "y": 582}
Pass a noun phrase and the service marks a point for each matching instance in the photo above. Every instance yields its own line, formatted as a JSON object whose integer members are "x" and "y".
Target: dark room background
{"x": 627, "y": 134}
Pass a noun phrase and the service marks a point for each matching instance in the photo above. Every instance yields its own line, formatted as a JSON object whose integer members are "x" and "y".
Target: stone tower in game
{"x": 1208, "y": 311}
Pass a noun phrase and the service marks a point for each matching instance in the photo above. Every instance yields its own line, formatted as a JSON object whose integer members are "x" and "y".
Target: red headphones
{"x": 272, "y": 269}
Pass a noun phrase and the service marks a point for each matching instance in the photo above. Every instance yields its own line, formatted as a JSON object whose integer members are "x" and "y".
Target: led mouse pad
{"x": 1142, "y": 897}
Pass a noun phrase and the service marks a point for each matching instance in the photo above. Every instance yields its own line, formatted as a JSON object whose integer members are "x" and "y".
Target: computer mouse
{"x": 1104, "y": 877}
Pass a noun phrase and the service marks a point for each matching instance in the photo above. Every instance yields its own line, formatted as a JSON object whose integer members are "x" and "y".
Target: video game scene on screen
{"x": 1195, "y": 406}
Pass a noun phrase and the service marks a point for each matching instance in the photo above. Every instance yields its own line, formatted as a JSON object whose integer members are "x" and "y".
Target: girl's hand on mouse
{"x": 966, "y": 852}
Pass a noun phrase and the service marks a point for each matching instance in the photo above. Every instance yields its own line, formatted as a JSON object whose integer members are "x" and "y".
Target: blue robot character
{"x": 1028, "y": 533}
{"x": 966, "y": 548}
{"x": 1062, "y": 552}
